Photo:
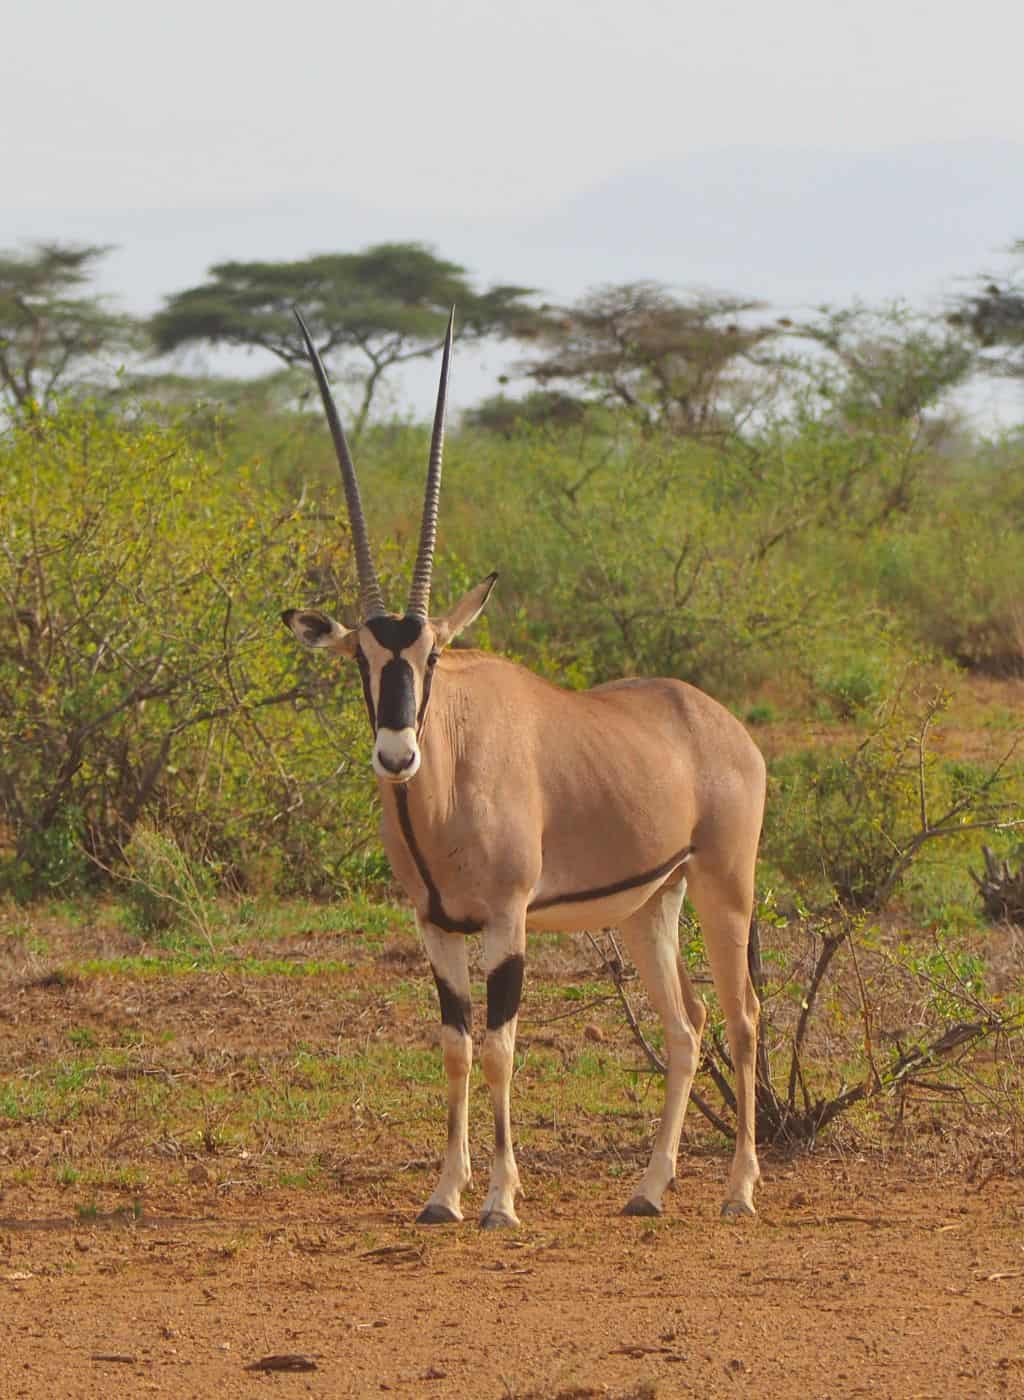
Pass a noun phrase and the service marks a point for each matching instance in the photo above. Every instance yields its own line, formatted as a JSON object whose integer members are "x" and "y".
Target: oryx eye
{"x": 432, "y": 659}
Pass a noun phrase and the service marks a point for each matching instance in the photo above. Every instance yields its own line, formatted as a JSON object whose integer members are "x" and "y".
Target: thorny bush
{"x": 144, "y": 671}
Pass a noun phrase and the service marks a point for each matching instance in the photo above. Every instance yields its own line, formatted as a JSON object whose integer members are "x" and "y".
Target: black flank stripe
{"x": 435, "y": 909}
{"x": 504, "y": 991}
{"x": 602, "y": 891}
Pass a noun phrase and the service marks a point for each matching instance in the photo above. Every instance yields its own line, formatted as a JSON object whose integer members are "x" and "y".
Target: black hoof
{"x": 640, "y": 1205}
{"x": 498, "y": 1220}
{"x": 436, "y": 1215}
{"x": 737, "y": 1210}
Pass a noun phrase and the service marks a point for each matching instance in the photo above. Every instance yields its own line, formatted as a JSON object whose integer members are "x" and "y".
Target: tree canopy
{"x": 48, "y": 329}
{"x": 889, "y": 365}
{"x": 672, "y": 363}
{"x": 994, "y": 315}
{"x": 388, "y": 304}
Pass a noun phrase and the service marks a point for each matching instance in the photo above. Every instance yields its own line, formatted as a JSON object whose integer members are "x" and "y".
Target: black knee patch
{"x": 456, "y": 1011}
{"x": 504, "y": 991}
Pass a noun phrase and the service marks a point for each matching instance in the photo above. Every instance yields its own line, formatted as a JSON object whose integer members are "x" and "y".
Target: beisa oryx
{"x": 510, "y": 804}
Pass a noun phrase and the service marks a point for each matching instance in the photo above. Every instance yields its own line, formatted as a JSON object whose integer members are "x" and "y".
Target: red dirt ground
{"x": 857, "y": 1279}
{"x": 870, "y": 1273}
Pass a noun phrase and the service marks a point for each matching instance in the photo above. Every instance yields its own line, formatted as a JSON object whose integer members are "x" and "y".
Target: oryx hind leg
{"x": 504, "y": 946}
{"x": 651, "y": 936}
{"x": 449, "y": 961}
{"x": 724, "y": 902}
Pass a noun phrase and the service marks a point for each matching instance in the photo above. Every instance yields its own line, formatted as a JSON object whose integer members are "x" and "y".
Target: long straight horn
{"x": 370, "y": 597}
{"x": 419, "y": 595}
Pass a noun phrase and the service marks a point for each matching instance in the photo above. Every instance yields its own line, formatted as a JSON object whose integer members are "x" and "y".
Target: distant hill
{"x": 805, "y": 226}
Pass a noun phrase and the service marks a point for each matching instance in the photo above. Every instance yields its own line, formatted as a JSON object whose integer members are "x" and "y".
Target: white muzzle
{"x": 396, "y": 755}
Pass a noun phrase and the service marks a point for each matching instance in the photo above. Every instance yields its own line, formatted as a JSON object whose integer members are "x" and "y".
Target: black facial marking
{"x": 456, "y": 1011}
{"x": 435, "y": 909}
{"x": 428, "y": 677}
{"x": 395, "y": 633}
{"x": 397, "y": 705}
{"x": 504, "y": 991}
{"x": 364, "y": 676}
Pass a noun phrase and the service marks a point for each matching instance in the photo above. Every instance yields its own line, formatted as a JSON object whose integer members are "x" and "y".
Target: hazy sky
{"x": 472, "y": 107}
{"x": 198, "y": 130}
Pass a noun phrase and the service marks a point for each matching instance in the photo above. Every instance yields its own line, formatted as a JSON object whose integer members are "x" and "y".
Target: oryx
{"x": 510, "y": 804}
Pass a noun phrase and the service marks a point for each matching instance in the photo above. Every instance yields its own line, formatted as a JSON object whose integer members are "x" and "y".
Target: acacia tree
{"x": 48, "y": 330}
{"x": 886, "y": 366}
{"x": 995, "y": 317}
{"x": 389, "y": 304}
{"x": 671, "y": 363}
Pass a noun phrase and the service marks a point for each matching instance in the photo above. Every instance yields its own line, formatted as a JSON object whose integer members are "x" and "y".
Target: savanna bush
{"x": 145, "y": 675}
{"x": 960, "y": 579}
{"x": 949, "y": 568}
{"x": 624, "y": 553}
{"x": 144, "y": 671}
{"x": 847, "y": 827}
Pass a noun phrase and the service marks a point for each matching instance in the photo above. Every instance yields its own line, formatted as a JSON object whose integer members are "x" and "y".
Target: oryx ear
{"x": 316, "y": 629}
{"x": 466, "y": 610}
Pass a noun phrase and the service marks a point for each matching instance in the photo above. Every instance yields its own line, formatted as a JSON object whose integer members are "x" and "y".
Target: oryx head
{"x": 396, "y": 655}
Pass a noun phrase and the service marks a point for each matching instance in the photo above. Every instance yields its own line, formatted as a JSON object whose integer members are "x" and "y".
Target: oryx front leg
{"x": 652, "y": 937}
{"x": 503, "y": 950}
{"x": 450, "y": 964}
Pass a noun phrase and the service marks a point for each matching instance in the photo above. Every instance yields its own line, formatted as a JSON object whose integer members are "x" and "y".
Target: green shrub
{"x": 144, "y": 671}
{"x": 761, "y": 713}
{"x": 847, "y": 827}
{"x": 165, "y": 889}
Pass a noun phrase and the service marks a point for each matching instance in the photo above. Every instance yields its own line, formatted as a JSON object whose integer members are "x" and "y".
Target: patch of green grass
{"x": 589, "y": 1064}
{"x": 761, "y": 713}
{"x": 134, "y": 1037}
{"x": 22, "y": 1102}
{"x": 84, "y": 1037}
{"x": 66, "y": 1089}
{"x": 285, "y": 1103}
{"x": 123, "y": 1178}
{"x": 75, "y": 913}
{"x": 1001, "y": 717}
{"x": 25, "y": 935}
{"x": 302, "y": 1180}
{"x": 419, "y": 993}
{"x": 581, "y": 991}
{"x": 91, "y": 1212}
{"x": 146, "y": 965}
{"x": 373, "y": 920}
